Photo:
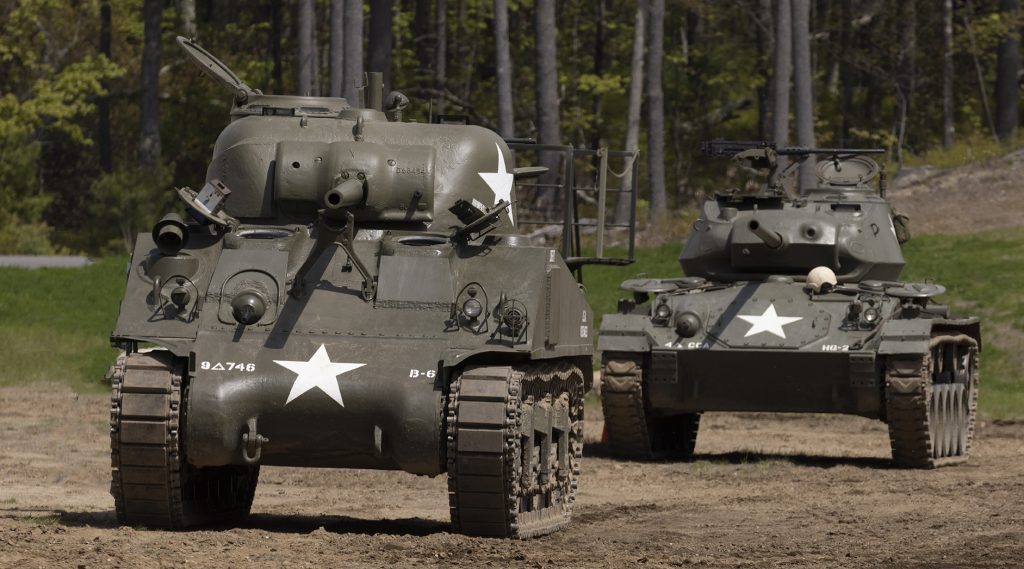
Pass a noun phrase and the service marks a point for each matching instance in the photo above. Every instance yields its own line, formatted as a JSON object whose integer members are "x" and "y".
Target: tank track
{"x": 151, "y": 484}
{"x": 493, "y": 415}
{"x": 931, "y": 403}
{"x": 631, "y": 429}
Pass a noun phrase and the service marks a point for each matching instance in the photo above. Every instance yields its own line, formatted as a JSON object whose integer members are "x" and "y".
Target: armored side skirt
{"x": 316, "y": 400}
{"x": 679, "y": 381}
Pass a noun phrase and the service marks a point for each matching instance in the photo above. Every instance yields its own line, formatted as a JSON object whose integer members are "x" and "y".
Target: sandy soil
{"x": 765, "y": 491}
{"x": 970, "y": 198}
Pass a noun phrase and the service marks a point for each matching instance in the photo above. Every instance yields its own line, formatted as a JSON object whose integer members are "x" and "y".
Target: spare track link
{"x": 151, "y": 484}
{"x": 632, "y": 433}
{"x": 931, "y": 424}
{"x": 488, "y": 413}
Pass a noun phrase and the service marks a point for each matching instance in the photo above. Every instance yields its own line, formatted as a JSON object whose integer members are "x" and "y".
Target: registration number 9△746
{"x": 227, "y": 366}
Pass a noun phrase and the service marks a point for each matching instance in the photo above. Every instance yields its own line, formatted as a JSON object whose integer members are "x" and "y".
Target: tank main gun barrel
{"x": 771, "y": 238}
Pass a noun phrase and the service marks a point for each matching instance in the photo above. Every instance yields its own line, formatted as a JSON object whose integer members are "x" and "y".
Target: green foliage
{"x": 49, "y": 84}
{"x": 127, "y": 201}
{"x": 978, "y": 147}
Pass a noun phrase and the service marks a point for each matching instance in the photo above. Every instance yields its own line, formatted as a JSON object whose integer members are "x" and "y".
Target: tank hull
{"x": 385, "y": 414}
{"x": 704, "y": 380}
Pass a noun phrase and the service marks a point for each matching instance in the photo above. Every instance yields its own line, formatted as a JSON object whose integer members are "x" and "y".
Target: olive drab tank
{"x": 348, "y": 292}
{"x": 791, "y": 303}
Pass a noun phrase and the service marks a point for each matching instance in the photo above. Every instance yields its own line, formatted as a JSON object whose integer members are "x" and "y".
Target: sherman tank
{"x": 346, "y": 290}
{"x": 791, "y": 302}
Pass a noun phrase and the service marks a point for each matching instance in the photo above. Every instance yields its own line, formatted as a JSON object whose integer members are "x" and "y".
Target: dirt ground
{"x": 764, "y": 491}
{"x": 973, "y": 197}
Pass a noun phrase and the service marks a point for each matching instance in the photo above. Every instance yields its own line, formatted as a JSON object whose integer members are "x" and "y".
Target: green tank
{"x": 347, "y": 291}
{"x": 791, "y": 303}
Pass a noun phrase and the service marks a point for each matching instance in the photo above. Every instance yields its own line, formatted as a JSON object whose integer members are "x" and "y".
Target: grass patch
{"x": 982, "y": 273}
{"x": 55, "y": 323}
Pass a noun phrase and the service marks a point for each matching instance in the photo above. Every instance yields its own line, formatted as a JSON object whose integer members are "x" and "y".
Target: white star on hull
{"x": 319, "y": 372}
{"x": 769, "y": 322}
{"x": 500, "y": 182}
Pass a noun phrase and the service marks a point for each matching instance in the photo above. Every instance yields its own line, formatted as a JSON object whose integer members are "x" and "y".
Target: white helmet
{"x": 821, "y": 278}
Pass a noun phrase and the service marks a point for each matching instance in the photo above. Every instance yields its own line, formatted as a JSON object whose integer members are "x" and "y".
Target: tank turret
{"x": 842, "y": 223}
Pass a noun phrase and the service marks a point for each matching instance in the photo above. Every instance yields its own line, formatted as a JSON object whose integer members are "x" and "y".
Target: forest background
{"x": 100, "y": 115}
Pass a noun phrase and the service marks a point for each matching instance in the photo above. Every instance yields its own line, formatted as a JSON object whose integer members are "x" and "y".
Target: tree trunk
{"x": 846, "y": 78}
{"x": 656, "y": 110}
{"x": 275, "y": 46}
{"x": 337, "y": 58}
{"x": 441, "y": 54}
{"x": 980, "y": 75}
{"x": 306, "y": 48}
{"x": 424, "y": 42}
{"x": 103, "y": 137}
{"x": 766, "y": 44}
{"x": 803, "y": 89}
{"x": 187, "y": 17}
{"x": 503, "y": 69}
{"x": 1006, "y": 71}
{"x": 548, "y": 125}
{"x": 905, "y": 77}
{"x": 149, "y": 85}
{"x": 783, "y": 71}
{"x": 636, "y": 96}
{"x": 948, "y": 124}
{"x": 596, "y": 135}
{"x": 381, "y": 39}
{"x": 353, "y": 50}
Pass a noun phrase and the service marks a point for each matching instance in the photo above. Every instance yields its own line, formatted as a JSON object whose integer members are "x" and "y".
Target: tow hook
{"x": 252, "y": 443}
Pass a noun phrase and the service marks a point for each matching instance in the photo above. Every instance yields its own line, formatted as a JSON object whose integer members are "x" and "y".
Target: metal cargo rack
{"x": 582, "y": 176}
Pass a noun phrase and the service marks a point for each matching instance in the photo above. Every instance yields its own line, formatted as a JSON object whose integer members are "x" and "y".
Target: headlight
{"x": 870, "y": 315}
{"x": 472, "y": 308}
{"x": 662, "y": 312}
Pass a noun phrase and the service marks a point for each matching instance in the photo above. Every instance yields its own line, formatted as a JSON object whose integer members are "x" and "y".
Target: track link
{"x": 633, "y": 431}
{"x": 931, "y": 403}
{"x": 151, "y": 484}
{"x": 514, "y": 446}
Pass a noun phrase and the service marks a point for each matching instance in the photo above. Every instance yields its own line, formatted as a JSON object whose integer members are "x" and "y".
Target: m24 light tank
{"x": 791, "y": 304}
{"x": 344, "y": 297}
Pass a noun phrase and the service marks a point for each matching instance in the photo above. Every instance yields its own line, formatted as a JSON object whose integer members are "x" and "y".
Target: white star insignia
{"x": 500, "y": 182}
{"x": 769, "y": 322}
{"x": 320, "y": 372}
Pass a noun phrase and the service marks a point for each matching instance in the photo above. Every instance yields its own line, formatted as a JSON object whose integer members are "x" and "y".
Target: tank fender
{"x": 905, "y": 336}
{"x": 913, "y": 336}
{"x": 623, "y": 333}
{"x": 970, "y": 326}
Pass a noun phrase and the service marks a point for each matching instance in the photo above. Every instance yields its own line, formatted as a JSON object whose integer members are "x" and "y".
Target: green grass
{"x": 55, "y": 323}
{"x": 983, "y": 274}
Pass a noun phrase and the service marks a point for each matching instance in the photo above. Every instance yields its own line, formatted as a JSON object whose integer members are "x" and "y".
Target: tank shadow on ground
{"x": 602, "y": 450}
{"x": 265, "y": 522}
{"x": 344, "y": 525}
{"x": 48, "y": 516}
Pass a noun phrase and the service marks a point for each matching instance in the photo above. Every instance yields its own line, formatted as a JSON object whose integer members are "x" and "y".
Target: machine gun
{"x": 763, "y": 155}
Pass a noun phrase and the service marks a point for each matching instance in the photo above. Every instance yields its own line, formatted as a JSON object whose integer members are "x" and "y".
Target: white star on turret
{"x": 319, "y": 372}
{"x": 500, "y": 182}
{"x": 769, "y": 322}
